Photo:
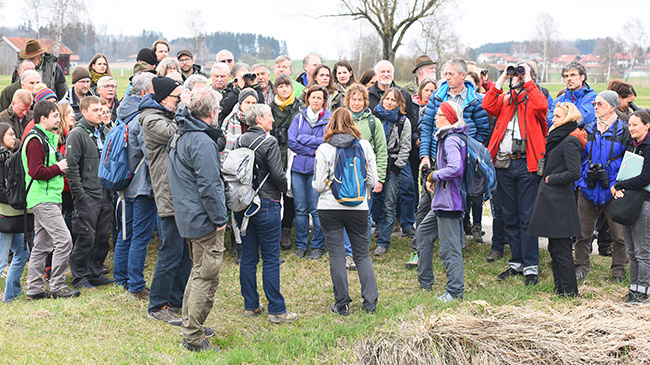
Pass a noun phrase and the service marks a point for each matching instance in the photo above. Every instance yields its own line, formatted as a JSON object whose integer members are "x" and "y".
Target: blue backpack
{"x": 480, "y": 176}
{"x": 114, "y": 172}
{"x": 349, "y": 183}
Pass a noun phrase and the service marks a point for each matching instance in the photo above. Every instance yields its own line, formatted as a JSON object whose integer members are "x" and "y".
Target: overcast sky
{"x": 476, "y": 21}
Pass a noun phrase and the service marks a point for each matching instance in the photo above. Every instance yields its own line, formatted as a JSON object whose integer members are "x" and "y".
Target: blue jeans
{"x": 475, "y": 205}
{"x": 390, "y": 190}
{"x": 407, "y": 202}
{"x": 130, "y": 254}
{"x": 498, "y": 227}
{"x": 516, "y": 189}
{"x": 262, "y": 237}
{"x": 305, "y": 200}
{"x": 15, "y": 242}
{"x": 173, "y": 267}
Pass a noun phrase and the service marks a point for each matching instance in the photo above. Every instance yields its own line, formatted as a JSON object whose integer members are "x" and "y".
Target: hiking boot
{"x": 205, "y": 346}
{"x": 165, "y": 315}
{"x": 256, "y": 312}
{"x": 413, "y": 261}
{"x": 349, "y": 263}
{"x": 142, "y": 294}
{"x": 342, "y": 310}
{"x": 477, "y": 233}
{"x": 37, "y": 296}
{"x": 285, "y": 241}
{"x": 494, "y": 255}
{"x": 105, "y": 270}
{"x": 316, "y": 253}
{"x": 286, "y": 317}
{"x": 65, "y": 292}
{"x": 376, "y": 232}
{"x": 300, "y": 253}
{"x": 618, "y": 279}
{"x": 636, "y": 297}
{"x": 410, "y": 233}
{"x": 84, "y": 284}
{"x": 208, "y": 332}
{"x": 103, "y": 280}
{"x": 176, "y": 310}
{"x": 380, "y": 250}
{"x": 581, "y": 275}
{"x": 531, "y": 279}
{"x": 508, "y": 273}
{"x": 369, "y": 310}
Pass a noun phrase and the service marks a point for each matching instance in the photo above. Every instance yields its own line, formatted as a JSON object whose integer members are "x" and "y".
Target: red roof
{"x": 19, "y": 44}
{"x": 619, "y": 56}
{"x": 590, "y": 58}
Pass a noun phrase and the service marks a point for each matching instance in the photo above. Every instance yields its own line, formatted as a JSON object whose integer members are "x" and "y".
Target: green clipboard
{"x": 631, "y": 166}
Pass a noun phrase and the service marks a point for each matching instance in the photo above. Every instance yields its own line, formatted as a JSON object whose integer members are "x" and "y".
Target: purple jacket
{"x": 449, "y": 172}
{"x": 305, "y": 139}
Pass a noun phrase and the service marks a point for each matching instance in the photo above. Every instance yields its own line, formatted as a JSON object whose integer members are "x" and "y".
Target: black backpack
{"x": 15, "y": 173}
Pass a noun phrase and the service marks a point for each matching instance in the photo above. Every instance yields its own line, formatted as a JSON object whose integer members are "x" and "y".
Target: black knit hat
{"x": 148, "y": 56}
{"x": 162, "y": 87}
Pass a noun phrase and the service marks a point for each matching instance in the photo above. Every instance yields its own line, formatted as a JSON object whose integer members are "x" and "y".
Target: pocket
{"x": 211, "y": 262}
{"x": 502, "y": 161}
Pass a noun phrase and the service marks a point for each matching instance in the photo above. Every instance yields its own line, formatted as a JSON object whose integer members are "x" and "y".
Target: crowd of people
{"x": 556, "y": 163}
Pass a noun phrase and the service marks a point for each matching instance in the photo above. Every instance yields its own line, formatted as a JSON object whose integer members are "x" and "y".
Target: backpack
{"x": 15, "y": 176}
{"x": 237, "y": 171}
{"x": 479, "y": 179}
{"x": 114, "y": 172}
{"x": 349, "y": 182}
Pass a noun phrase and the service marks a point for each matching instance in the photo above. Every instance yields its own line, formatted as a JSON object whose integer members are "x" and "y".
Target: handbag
{"x": 626, "y": 210}
{"x": 290, "y": 156}
{"x": 16, "y": 224}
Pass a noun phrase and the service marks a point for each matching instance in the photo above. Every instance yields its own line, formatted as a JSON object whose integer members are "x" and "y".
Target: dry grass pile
{"x": 477, "y": 333}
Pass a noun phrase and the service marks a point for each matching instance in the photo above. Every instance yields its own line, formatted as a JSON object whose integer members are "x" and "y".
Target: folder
{"x": 631, "y": 166}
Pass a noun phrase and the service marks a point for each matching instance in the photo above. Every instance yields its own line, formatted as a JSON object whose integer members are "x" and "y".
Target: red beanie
{"x": 449, "y": 112}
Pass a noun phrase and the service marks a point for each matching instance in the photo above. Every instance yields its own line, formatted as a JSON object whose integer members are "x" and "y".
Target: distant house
{"x": 492, "y": 58}
{"x": 564, "y": 59}
{"x": 10, "y": 46}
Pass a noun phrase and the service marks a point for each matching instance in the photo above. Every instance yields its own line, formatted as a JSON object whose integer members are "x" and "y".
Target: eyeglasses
{"x": 597, "y": 103}
{"x": 227, "y": 60}
{"x": 185, "y": 60}
{"x": 109, "y": 86}
{"x": 175, "y": 96}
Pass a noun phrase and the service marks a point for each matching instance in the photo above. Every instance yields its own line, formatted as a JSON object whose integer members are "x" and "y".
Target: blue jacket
{"x": 305, "y": 139}
{"x": 581, "y": 98}
{"x": 195, "y": 177}
{"x": 141, "y": 183}
{"x": 473, "y": 114}
{"x": 598, "y": 147}
{"x": 449, "y": 172}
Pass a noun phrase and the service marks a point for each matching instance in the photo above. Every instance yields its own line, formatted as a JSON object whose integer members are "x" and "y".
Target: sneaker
{"x": 285, "y": 241}
{"x": 477, "y": 233}
{"x": 636, "y": 297}
{"x": 37, "y": 296}
{"x": 446, "y": 298}
{"x": 142, "y": 294}
{"x": 413, "y": 261}
{"x": 208, "y": 332}
{"x": 494, "y": 255}
{"x": 380, "y": 250}
{"x": 410, "y": 233}
{"x": 581, "y": 275}
{"x": 627, "y": 296}
{"x": 316, "y": 253}
{"x": 65, "y": 292}
{"x": 508, "y": 273}
{"x": 165, "y": 315}
{"x": 531, "y": 279}
{"x": 256, "y": 312}
{"x": 105, "y": 270}
{"x": 176, "y": 310}
{"x": 349, "y": 263}
{"x": 286, "y": 317}
{"x": 205, "y": 346}
{"x": 342, "y": 310}
{"x": 300, "y": 253}
{"x": 103, "y": 280}
{"x": 376, "y": 232}
{"x": 84, "y": 284}
{"x": 369, "y": 310}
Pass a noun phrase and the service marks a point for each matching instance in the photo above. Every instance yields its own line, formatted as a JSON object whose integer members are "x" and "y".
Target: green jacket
{"x": 83, "y": 155}
{"x": 43, "y": 191}
{"x": 378, "y": 141}
{"x": 412, "y": 86}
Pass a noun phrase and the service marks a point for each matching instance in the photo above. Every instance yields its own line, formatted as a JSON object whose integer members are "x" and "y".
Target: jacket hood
{"x": 585, "y": 89}
{"x": 342, "y": 140}
{"x": 581, "y": 135}
{"x": 148, "y": 102}
{"x": 186, "y": 122}
{"x": 464, "y": 129}
{"x": 443, "y": 89}
{"x": 129, "y": 106}
{"x": 324, "y": 119}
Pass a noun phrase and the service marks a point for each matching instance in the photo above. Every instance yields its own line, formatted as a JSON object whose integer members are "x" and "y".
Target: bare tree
{"x": 605, "y": 48}
{"x": 438, "y": 37}
{"x": 63, "y": 12}
{"x": 196, "y": 26}
{"x": 391, "y": 19}
{"x": 35, "y": 11}
{"x": 546, "y": 32}
{"x": 635, "y": 38}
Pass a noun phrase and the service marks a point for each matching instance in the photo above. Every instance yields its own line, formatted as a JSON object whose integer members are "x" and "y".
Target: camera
{"x": 484, "y": 72}
{"x": 518, "y": 147}
{"x": 596, "y": 173}
{"x": 59, "y": 156}
{"x": 426, "y": 171}
{"x": 515, "y": 70}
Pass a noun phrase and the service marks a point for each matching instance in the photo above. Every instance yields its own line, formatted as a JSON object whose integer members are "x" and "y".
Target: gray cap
{"x": 246, "y": 92}
{"x": 611, "y": 97}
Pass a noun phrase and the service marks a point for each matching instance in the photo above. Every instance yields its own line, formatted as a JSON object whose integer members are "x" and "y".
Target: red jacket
{"x": 532, "y": 104}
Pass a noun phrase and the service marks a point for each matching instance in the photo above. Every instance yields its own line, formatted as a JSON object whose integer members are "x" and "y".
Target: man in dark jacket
{"x": 9, "y": 91}
{"x": 173, "y": 265}
{"x": 92, "y": 219}
{"x": 17, "y": 115}
{"x": 80, "y": 89}
{"x": 200, "y": 209}
{"x": 186, "y": 59}
{"x": 140, "y": 207}
{"x": 46, "y": 64}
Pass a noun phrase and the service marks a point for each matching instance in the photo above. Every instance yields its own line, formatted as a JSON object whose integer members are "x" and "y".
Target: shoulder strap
{"x": 372, "y": 124}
